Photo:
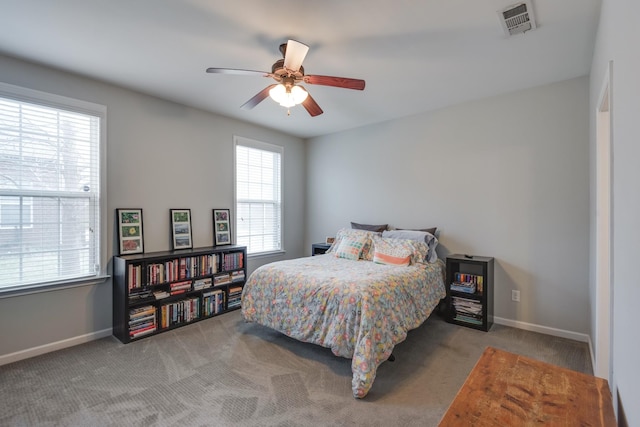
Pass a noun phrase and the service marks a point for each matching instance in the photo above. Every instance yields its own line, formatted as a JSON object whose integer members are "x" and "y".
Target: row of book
{"x": 178, "y": 312}
{"x": 467, "y": 310}
{"x": 470, "y": 279}
{"x": 184, "y": 286}
{"x": 134, "y": 275}
{"x": 232, "y": 261}
{"x": 182, "y": 268}
{"x": 212, "y": 302}
{"x": 142, "y": 321}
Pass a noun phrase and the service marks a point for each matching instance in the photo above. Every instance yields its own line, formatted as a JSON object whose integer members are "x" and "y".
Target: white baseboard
{"x": 58, "y": 345}
{"x": 592, "y": 354}
{"x": 576, "y": 336}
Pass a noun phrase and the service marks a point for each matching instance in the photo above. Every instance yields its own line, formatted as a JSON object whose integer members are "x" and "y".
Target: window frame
{"x": 45, "y": 99}
{"x": 265, "y": 146}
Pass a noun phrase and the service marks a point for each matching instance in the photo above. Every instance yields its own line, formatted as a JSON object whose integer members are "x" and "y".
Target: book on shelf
{"x": 235, "y": 297}
{"x": 199, "y": 284}
{"x": 139, "y": 294}
{"x": 178, "y": 312}
{"x": 467, "y": 309}
{"x": 139, "y": 332}
{"x": 142, "y": 320}
{"x": 186, "y": 284}
{"x": 466, "y": 287}
{"x": 134, "y": 276}
{"x": 232, "y": 261}
{"x": 222, "y": 279}
{"x": 161, "y": 294}
{"x": 476, "y": 280}
{"x": 138, "y": 320}
{"x": 234, "y": 303}
{"x": 237, "y": 276}
{"x": 142, "y": 311}
{"x": 155, "y": 274}
{"x": 213, "y": 302}
{"x": 468, "y": 319}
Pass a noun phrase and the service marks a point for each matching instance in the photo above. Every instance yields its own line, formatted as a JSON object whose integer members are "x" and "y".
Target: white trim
{"x": 576, "y": 336}
{"x": 54, "y": 346}
{"x": 18, "y": 291}
{"x": 252, "y": 143}
{"x": 603, "y": 333}
{"x": 24, "y": 94}
{"x": 40, "y": 98}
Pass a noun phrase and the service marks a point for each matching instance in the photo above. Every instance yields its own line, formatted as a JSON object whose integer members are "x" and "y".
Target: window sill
{"x": 17, "y": 291}
{"x": 267, "y": 254}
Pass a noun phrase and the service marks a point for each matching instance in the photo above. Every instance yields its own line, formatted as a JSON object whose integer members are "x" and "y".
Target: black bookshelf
{"x": 471, "y": 309}
{"x": 159, "y": 291}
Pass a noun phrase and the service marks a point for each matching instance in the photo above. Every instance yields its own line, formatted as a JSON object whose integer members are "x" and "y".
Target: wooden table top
{"x": 506, "y": 389}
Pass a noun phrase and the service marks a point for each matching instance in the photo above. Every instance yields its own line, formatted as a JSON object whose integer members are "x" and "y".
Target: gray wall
{"x": 160, "y": 155}
{"x": 506, "y": 177}
{"x": 618, "y": 41}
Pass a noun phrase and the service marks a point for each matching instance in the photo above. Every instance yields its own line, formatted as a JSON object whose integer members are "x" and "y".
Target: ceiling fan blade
{"x": 294, "y": 55}
{"x": 312, "y": 106}
{"x": 258, "y": 98}
{"x": 342, "y": 82}
{"x": 237, "y": 71}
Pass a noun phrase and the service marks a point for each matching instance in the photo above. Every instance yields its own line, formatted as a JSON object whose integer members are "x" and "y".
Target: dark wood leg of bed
{"x": 392, "y": 358}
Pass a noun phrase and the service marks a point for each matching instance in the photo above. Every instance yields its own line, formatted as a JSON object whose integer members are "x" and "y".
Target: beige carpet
{"x": 224, "y": 372}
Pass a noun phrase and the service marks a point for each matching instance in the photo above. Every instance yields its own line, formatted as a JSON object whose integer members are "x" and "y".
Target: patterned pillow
{"x": 417, "y": 250}
{"x": 367, "y": 253}
{"x": 390, "y": 254}
{"x": 418, "y": 236}
{"x": 351, "y": 248}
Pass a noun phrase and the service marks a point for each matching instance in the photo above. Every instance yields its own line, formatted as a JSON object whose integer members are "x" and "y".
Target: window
{"x": 258, "y": 192}
{"x": 16, "y": 212}
{"x": 50, "y": 179}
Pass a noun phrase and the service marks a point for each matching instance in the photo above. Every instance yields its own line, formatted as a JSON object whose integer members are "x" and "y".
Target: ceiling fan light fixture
{"x": 288, "y": 97}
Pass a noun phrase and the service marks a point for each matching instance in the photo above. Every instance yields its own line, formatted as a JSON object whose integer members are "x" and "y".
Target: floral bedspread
{"x": 358, "y": 309}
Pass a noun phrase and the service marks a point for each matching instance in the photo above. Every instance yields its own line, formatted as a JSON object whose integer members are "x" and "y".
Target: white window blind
{"x": 258, "y": 188}
{"x": 49, "y": 189}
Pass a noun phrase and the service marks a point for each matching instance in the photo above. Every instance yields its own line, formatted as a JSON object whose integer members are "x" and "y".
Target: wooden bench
{"x": 505, "y": 389}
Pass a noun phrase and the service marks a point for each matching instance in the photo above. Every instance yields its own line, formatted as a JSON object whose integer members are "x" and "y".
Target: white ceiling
{"x": 415, "y": 55}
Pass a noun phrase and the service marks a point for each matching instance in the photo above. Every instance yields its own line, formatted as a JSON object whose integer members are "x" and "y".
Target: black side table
{"x": 319, "y": 248}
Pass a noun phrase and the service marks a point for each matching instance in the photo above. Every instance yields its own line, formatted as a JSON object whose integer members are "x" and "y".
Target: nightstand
{"x": 469, "y": 285}
{"x": 319, "y": 248}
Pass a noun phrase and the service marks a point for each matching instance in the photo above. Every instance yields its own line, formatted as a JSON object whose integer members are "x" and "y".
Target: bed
{"x": 358, "y": 307}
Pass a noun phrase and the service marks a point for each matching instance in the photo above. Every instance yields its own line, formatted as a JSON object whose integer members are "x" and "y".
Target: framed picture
{"x": 129, "y": 222}
{"x": 181, "y": 228}
{"x": 221, "y": 227}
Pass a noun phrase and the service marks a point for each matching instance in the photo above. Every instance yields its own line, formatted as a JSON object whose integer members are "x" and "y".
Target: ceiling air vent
{"x": 517, "y": 18}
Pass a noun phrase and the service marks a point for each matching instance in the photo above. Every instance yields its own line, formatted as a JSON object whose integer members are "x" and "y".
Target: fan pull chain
{"x": 288, "y": 112}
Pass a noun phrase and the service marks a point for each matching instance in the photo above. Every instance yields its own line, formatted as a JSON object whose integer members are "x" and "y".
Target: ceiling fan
{"x": 288, "y": 72}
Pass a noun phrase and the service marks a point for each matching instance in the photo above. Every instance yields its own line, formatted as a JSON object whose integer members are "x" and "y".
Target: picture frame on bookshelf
{"x": 222, "y": 227}
{"x": 181, "y": 229}
{"x": 130, "y": 233}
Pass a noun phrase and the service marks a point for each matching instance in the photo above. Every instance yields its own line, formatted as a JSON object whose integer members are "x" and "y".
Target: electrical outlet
{"x": 515, "y": 295}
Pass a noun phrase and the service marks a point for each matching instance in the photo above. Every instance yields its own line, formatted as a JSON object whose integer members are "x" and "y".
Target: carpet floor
{"x": 225, "y": 372}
